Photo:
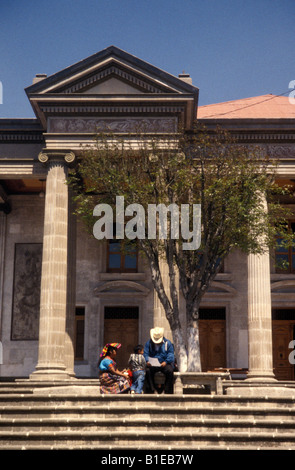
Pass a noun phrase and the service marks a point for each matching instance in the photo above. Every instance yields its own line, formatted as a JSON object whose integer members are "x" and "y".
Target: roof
{"x": 258, "y": 107}
{"x": 90, "y": 66}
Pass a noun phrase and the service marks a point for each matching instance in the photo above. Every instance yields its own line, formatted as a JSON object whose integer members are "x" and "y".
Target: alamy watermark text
{"x": 156, "y": 221}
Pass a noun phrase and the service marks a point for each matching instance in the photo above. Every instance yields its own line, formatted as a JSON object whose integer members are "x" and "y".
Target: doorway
{"x": 121, "y": 326}
{"x": 212, "y": 338}
{"x": 283, "y": 331}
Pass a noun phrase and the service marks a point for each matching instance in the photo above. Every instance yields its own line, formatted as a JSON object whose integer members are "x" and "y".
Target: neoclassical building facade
{"x": 63, "y": 295}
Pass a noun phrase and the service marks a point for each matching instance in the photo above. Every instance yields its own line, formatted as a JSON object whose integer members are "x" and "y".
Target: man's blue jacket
{"x": 164, "y": 354}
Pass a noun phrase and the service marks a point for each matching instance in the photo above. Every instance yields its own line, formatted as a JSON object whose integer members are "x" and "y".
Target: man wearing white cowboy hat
{"x": 159, "y": 356}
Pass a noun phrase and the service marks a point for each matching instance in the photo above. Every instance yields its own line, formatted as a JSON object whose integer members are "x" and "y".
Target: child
{"x": 137, "y": 365}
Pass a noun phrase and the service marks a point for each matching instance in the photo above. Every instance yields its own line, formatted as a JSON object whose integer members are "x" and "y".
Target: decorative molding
{"x": 113, "y": 70}
{"x": 122, "y": 276}
{"x": 10, "y": 168}
{"x": 262, "y": 138}
{"x": 289, "y": 284}
{"x": 118, "y": 125}
{"x": 220, "y": 288}
{"x": 111, "y": 109}
{"x": 283, "y": 291}
{"x": 15, "y": 137}
{"x": 121, "y": 287}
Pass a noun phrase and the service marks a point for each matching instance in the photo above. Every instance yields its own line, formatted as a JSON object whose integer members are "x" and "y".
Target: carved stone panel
{"x": 26, "y": 291}
{"x": 118, "y": 125}
{"x": 281, "y": 151}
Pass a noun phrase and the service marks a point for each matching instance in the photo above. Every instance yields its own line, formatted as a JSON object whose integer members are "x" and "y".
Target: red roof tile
{"x": 258, "y": 107}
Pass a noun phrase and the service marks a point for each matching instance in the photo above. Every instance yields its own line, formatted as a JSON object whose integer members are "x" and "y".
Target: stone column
{"x": 54, "y": 280}
{"x": 259, "y": 318}
{"x": 2, "y": 259}
{"x": 71, "y": 290}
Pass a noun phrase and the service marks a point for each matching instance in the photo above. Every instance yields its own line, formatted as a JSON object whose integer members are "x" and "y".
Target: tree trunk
{"x": 193, "y": 347}
{"x": 172, "y": 312}
{"x": 180, "y": 349}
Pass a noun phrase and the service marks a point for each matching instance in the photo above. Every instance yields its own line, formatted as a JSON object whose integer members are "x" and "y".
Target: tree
{"x": 187, "y": 175}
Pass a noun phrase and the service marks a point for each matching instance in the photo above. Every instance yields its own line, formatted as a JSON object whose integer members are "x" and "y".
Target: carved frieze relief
{"x": 118, "y": 125}
{"x": 281, "y": 151}
{"x": 273, "y": 150}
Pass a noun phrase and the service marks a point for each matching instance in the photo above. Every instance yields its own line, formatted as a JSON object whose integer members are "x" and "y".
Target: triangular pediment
{"x": 111, "y": 78}
{"x": 111, "y": 69}
{"x": 110, "y": 84}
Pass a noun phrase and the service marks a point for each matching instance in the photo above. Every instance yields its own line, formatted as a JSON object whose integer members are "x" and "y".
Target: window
{"x": 212, "y": 313}
{"x": 121, "y": 258}
{"x": 285, "y": 256}
{"x": 79, "y": 333}
{"x": 111, "y": 313}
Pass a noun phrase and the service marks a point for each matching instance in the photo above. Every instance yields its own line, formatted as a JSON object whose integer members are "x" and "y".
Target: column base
{"x": 72, "y": 375}
{"x": 261, "y": 391}
{"x": 260, "y": 377}
{"x": 50, "y": 374}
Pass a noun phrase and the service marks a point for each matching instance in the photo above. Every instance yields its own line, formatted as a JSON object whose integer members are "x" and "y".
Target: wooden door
{"x": 282, "y": 335}
{"x": 212, "y": 344}
{"x": 124, "y": 331}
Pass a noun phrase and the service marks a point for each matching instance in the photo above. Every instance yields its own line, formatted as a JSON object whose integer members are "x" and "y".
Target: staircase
{"x": 32, "y": 419}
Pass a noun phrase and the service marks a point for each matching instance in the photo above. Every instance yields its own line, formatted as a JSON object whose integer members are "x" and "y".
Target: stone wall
{"x": 24, "y": 226}
{"x": 24, "y": 235}
{"x": 96, "y": 289}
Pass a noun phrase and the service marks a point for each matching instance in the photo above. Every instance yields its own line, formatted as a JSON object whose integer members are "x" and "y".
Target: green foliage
{"x": 231, "y": 182}
{"x": 228, "y": 180}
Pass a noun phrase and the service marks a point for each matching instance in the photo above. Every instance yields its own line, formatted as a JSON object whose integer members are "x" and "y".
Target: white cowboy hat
{"x": 157, "y": 334}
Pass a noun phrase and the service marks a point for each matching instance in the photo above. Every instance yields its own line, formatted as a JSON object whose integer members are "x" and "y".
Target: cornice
{"x": 111, "y": 109}
{"x": 143, "y": 84}
{"x": 76, "y": 98}
{"x": 20, "y": 131}
{"x": 264, "y": 137}
{"x": 15, "y": 137}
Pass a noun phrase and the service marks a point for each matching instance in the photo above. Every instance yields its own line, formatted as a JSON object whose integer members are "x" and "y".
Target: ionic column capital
{"x": 65, "y": 157}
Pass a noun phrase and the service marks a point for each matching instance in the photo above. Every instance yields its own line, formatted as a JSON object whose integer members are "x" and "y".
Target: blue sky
{"x": 232, "y": 48}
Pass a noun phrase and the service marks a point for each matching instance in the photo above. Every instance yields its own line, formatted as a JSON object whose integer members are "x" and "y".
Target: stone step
{"x": 12, "y": 391}
{"x": 49, "y": 418}
{"x": 145, "y": 439}
{"x": 145, "y": 411}
{"x": 144, "y": 424}
{"x": 130, "y": 407}
{"x": 144, "y": 449}
{"x": 29, "y": 386}
{"x": 176, "y": 401}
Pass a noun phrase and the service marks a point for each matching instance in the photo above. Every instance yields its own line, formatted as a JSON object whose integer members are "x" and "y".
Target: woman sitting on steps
{"x": 112, "y": 381}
